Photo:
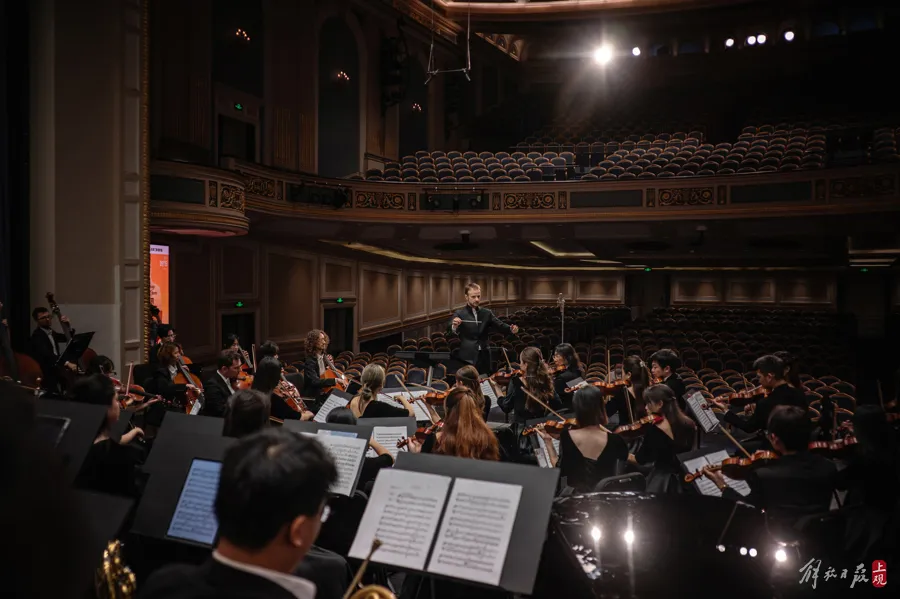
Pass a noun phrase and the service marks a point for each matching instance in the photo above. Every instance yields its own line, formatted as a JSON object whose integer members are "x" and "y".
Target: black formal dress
{"x": 562, "y": 380}
{"x": 618, "y": 404}
{"x": 46, "y": 353}
{"x": 313, "y": 383}
{"x": 380, "y": 409}
{"x": 112, "y": 468}
{"x": 782, "y": 395}
{"x": 583, "y": 474}
{"x": 793, "y": 486}
{"x": 515, "y": 401}
{"x": 216, "y": 394}
{"x": 659, "y": 452}
{"x": 676, "y": 384}
{"x": 473, "y": 334}
{"x": 210, "y": 580}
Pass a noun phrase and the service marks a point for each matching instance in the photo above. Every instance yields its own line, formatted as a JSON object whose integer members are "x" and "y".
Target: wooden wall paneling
{"x": 485, "y": 283}
{"x": 748, "y": 290}
{"x": 514, "y": 289}
{"x": 548, "y": 288}
{"x": 380, "y": 297}
{"x": 238, "y": 271}
{"x": 600, "y": 289}
{"x": 192, "y": 302}
{"x": 338, "y": 278}
{"x": 499, "y": 286}
{"x": 799, "y": 290}
{"x": 291, "y": 306}
{"x": 696, "y": 290}
{"x": 439, "y": 300}
{"x": 458, "y": 294}
{"x": 415, "y": 293}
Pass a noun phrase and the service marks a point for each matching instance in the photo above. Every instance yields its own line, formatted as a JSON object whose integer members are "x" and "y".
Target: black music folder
{"x": 75, "y": 348}
{"x": 177, "y": 424}
{"x": 482, "y": 522}
{"x": 76, "y": 425}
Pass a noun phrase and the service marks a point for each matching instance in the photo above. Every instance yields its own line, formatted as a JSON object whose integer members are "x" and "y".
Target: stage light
{"x": 751, "y": 40}
{"x": 629, "y": 536}
{"x": 788, "y": 36}
{"x": 603, "y": 54}
{"x": 781, "y": 555}
{"x": 636, "y": 51}
{"x": 729, "y": 42}
{"x": 721, "y": 548}
{"x": 752, "y": 552}
{"x": 743, "y": 551}
{"x": 595, "y": 533}
{"x": 761, "y": 38}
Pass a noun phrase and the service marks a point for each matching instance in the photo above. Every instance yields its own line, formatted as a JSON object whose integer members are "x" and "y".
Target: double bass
{"x": 19, "y": 368}
{"x": 88, "y": 354}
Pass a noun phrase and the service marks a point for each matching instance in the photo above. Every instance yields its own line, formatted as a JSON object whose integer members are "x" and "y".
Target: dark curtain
{"x": 339, "y": 121}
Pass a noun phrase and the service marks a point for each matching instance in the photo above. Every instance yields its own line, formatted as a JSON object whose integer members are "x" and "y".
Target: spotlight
{"x": 636, "y": 51}
{"x": 603, "y": 54}
{"x": 761, "y": 38}
{"x": 781, "y": 555}
{"x": 751, "y": 40}
{"x": 721, "y": 548}
{"x": 788, "y": 36}
{"x": 729, "y": 42}
{"x": 595, "y": 533}
{"x": 752, "y": 552}
{"x": 629, "y": 536}
{"x": 743, "y": 550}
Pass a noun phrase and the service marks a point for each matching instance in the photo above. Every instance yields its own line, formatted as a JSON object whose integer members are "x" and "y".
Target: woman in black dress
{"x": 111, "y": 466}
{"x": 638, "y": 376}
{"x": 564, "y": 356}
{"x": 464, "y": 433}
{"x": 536, "y": 381}
{"x": 467, "y": 377}
{"x": 366, "y": 404}
{"x": 675, "y": 434}
{"x": 587, "y": 454}
{"x": 267, "y": 380}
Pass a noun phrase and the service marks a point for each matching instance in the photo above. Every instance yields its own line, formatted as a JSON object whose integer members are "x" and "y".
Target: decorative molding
{"x": 262, "y": 186}
{"x": 563, "y": 200}
{"x": 536, "y": 200}
{"x": 495, "y": 201}
{"x": 651, "y": 198}
{"x": 232, "y": 198}
{"x": 686, "y": 196}
{"x": 385, "y": 200}
{"x": 213, "y": 194}
{"x": 863, "y": 187}
{"x": 722, "y": 191}
{"x": 411, "y": 201}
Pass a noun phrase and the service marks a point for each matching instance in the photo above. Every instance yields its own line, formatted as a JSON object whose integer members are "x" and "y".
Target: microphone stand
{"x": 561, "y": 302}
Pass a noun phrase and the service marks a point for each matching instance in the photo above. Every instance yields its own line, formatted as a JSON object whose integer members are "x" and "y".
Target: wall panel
{"x": 600, "y": 290}
{"x": 291, "y": 302}
{"x": 439, "y": 299}
{"x": 192, "y": 298}
{"x": 338, "y": 278}
{"x": 750, "y": 291}
{"x": 691, "y": 290}
{"x": 499, "y": 287}
{"x": 416, "y": 295}
{"x": 548, "y": 288}
{"x": 379, "y": 296}
{"x": 237, "y": 271}
{"x": 807, "y": 290}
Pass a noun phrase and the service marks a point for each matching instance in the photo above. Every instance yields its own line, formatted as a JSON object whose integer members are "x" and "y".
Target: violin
{"x": 434, "y": 398}
{"x": 421, "y": 434}
{"x": 737, "y": 468}
{"x": 638, "y": 427}
{"x": 558, "y": 369}
{"x": 331, "y": 372}
{"x": 607, "y": 388}
{"x": 834, "y": 449}
{"x": 503, "y": 376}
{"x": 552, "y": 427}
{"x": 743, "y": 397}
{"x": 287, "y": 391}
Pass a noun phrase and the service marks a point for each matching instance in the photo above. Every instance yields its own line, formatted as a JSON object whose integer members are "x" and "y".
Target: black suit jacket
{"x": 211, "y": 580}
{"x": 40, "y": 348}
{"x": 472, "y": 335}
{"x": 312, "y": 382}
{"x": 783, "y": 395}
{"x": 562, "y": 380}
{"x": 330, "y": 571}
{"x": 675, "y": 383}
{"x": 216, "y": 394}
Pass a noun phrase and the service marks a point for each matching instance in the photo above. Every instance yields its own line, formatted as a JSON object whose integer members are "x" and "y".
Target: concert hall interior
{"x": 427, "y": 299}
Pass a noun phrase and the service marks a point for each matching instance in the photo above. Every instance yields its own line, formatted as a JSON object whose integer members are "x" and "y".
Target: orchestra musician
{"x": 246, "y": 412}
{"x": 472, "y": 325}
{"x": 317, "y": 362}
{"x": 771, "y": 372}
{"x": 663, "y": 365}
{"x": 162, "y": 381}
{"x": 217, "y": 388}
{"x": 467, "y": 377}
{"x": 564, "y": 356}
{"x": 537, "y": 381}
{"x": 366, "y": 404}
{"x": 268, "y": 349}
{"x": 464, "y": 434}
{"x": 791, "y": 373}
{"x": 638, "y": 376}
{"x": 44, "y": 346}
{"x": 799, "y": 483}
{"x": 166, "y": 334}
{"x": 267, "y": 380}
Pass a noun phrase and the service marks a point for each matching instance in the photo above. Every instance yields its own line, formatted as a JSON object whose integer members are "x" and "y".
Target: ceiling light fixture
{"x": 788, "y": 36}
{"x": 729, "y": 42}
{"x": 636, "y": 51}
{"x": 603, "y": 54}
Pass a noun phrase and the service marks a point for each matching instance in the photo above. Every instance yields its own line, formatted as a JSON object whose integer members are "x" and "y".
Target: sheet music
{"x": 704, "y": 485}
{"x": 323, "y": 431}
{"x": 331, "y": 403}
{"x": 476, "y": 530}
{"x": 545, "y": 452}
{"x": 704, "y": 415}
{"x": 421, "y": 413}
{"x": 402, "y": 513}
{"x": 194, "y": 518}
{"x": 388, "y": 436}
{"x": 740, "y": 486}
{"x": 348, "y": 456}
{"x": 488, "y": 392}
{"x": 195, "y": 409}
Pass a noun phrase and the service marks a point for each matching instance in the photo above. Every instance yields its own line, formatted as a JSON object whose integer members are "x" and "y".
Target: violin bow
{"x": 551, "y": 410}
{"x": 416, "y": 399}
{"x": 421, "y": 387}
{"x": 130, "y": 374}
{"x": 253, "y": 350}
{"x": 628, "y": 396}
{"x": 508, "y": 363}
{"x": 735, "y": 441}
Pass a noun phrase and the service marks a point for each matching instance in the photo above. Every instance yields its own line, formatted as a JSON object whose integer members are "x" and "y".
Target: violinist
{"x": 791, "y": 373}
{"x": 537, "y": 381}
{"x": 663, "y": 365}
{"x": 234, "y": 344}
{"x": 366, "y": 404}
{"x": 247, "y": 412}
{"x": 467, "y": 377}
{"x": 371, "y": 466}
{"x": 269, "y": 349}
{"x": 771, "y": 377}
{"x": 674, "y": 434}
{"x": 472, "y": 324}
{"x": 218, "y": 388}
{"x": 799, "y": 483}
{"x": 464, "y": 433}
{"x": 162, "y": 381}
{"x": 587, "y": 454}
{"x": 267, "y": 380}
{"x": 110, "y": 465}
{"x": 567, "y": 368}
{"x": 44, "y": 346}
{"x": 638, "y": 377}
{"x": 317, "y": 362}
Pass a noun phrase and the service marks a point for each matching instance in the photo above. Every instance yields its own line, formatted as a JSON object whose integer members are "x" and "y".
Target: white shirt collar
{"x": 227, "y": 382}
{"x": 296, "y": 586}
{"x": 49, "y": 333}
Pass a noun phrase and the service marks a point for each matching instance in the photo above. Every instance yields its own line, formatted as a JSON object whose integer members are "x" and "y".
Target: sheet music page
{"x": 195, "y": 409}
{"x": 402, "y": 513}
{"x": 323, "y": 431}
{"x": 740, "y": 486}
{"x": 704, "y": 485}
{"x": 331, "y": 403}
{"x": 704, "y": 415}
{"x": 421, "y": 413}
{"x": 194, "y": 518}
{"x": 546, "y": 454}
{"x": 388, "y": 436}
{"x": 476, "y": 530}
{"x": 488, "y": 392}
{"x": 348, "y": 454}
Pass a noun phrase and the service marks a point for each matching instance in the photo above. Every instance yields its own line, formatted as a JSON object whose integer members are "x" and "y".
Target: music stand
{"x": 84, "y": 424}
{"x": 75, "y": 348}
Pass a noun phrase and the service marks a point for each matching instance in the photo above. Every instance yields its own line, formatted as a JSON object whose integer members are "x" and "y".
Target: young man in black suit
{"x": 269, "y": 506}
{"x": 798, "y": 483}
{"x": 663, "y": 365}
{"x": 217, "y": 388}
{"x": 45, "y": 346}
{"x": 473, "y": 324}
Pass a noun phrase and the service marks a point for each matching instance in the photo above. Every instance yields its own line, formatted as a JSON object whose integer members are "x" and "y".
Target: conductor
{"x": 472, "y": 324}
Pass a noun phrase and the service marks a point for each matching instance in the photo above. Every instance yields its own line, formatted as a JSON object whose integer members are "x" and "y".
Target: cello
{"x": 186, "y": 377}
{"x": 19, "y": 368}
{"x": 331, "y": 372}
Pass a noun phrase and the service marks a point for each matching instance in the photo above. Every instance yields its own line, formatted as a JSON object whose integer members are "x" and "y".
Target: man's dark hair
{"x": 268, "y": 479}
{"x": 269, "y": 349}
{"x": 666, "y": 357}
{"x": 163, "y": 330}
{"x": 230, "y": 339}
{"x": 247, "y": 411}
{"x": 770, "y": 365}
{"x": 37, "y": 311}
{"x": 227, "y": 358}
{"x": 95, "y": 389}
{"x": 341, "y": 416}
{"x": 792, "y": 426}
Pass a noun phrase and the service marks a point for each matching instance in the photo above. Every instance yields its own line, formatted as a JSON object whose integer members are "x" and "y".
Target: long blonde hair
{"x": 467, "y": 376}
{"x": 372, "y": 381}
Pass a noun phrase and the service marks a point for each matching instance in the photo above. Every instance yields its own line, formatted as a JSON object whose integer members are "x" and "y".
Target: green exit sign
{"x": 340, "y": 300}
{"x": 238, "y": 106}
{"x": 648, "y": 269}
{"x": 238, "y": 304}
